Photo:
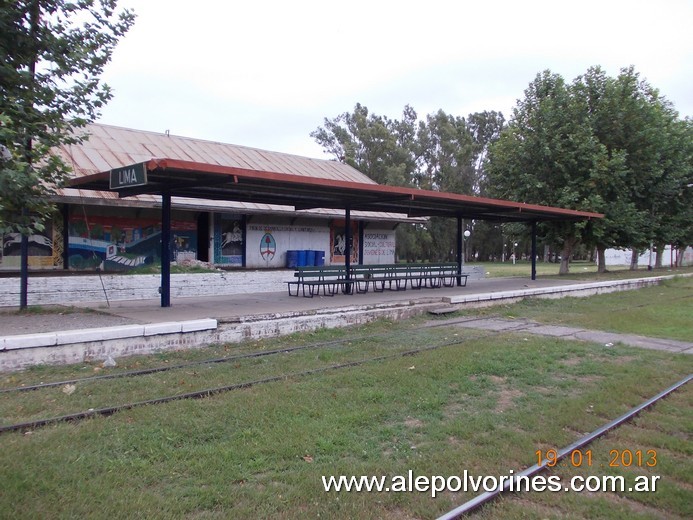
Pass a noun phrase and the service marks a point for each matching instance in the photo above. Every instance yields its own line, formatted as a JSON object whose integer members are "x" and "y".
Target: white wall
{"x": 287, "y": 235}
{"x": 623, "y": 256}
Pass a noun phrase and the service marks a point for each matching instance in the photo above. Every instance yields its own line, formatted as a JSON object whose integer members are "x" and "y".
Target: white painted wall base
{"x": 64, "y": 290}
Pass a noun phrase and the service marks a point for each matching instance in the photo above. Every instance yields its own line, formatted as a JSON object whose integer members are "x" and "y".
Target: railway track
{"x": 207, "y": 392}
{"x": 488, "y": 496}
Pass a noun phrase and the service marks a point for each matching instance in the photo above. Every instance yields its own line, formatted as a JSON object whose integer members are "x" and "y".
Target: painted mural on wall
{"x": 338, "y": 244}
{"x": 121, "y": 243}
{"x": 228, "y": 239}
{"x": 45, "y": 249}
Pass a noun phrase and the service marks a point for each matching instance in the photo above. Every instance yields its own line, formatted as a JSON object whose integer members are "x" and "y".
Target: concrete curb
{"x": 561, "y": 291}
{"x": 18, "y": 352}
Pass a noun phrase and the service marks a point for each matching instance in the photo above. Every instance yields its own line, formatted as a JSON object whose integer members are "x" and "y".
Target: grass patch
{"x": 578, "y": 270}
{"x": 659, "y": 311}
{"x": 662, "y": 433}
{"x": 481, "y": 404}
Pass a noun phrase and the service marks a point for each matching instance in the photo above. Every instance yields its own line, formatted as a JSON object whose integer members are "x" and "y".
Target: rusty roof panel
{"x": 110, "y": 147}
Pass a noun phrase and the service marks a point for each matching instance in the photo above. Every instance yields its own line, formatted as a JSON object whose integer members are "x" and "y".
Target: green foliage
{"x": 609, "y": 145}
{"x": 375, "y": 145}
{"x": 52, "y": 53}
{"x": 441, "y": 152}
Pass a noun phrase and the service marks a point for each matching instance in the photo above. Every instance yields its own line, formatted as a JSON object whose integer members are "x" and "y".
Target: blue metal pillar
{"x": 347, "y": 251}
{"x": 165, "y": 249}
{"x": 534, "y": 250}
{"x": 460, "y": 252}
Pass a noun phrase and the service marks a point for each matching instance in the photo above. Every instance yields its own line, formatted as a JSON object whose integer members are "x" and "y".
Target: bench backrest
{"x": 376, "y": 270}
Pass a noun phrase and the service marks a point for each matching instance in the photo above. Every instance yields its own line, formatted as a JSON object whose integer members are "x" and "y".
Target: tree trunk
{"x": 660, "y": 255}
{"x": 634, "y": 260}
{"x": 567, "y": 251}
{"x": 601, "y": 259}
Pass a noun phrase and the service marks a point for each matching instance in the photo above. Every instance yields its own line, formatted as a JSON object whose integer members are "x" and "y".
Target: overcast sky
{"x": 265, "y": 74}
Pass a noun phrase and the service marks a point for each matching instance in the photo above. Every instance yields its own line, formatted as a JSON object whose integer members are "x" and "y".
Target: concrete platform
{"x": 231, "y": 307}
{"x": 144, "y": 327}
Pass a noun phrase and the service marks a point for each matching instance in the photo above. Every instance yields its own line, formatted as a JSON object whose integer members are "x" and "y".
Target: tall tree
{"x": 547, "y": 155}
{"x": 611, "y": 145}
{"x": 52, "y": 54}
{"x": 485, "y": 128}
{"x": 645, "y": 165}
{"x": 374, "y": 145}
{"x": 440, "y": 152}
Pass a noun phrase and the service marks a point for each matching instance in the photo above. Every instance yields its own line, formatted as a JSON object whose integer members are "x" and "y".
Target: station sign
{"x": 129, "y": 176}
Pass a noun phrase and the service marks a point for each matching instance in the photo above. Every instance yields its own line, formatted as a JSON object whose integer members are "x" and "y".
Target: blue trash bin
{"x": 292, "y": 259}
{"x": 319, "y": 258}
{"x": 310, "y": 257}
{"x": 301, "y": 258}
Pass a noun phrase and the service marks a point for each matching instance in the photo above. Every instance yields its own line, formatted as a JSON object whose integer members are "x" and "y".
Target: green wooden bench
{"x": 398, "y": 276}
{"x": 332, "y": 279}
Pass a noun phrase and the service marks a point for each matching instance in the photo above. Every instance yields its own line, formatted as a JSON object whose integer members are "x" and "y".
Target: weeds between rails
{"x": 225, "y": 359}
{"x": 154, "y": 370}
{"x": 109, "y": 410}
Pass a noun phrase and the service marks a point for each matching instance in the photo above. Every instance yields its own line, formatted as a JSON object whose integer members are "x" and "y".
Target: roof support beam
{"x": 534, "y": 250}
{"x": 347, "y": 252}
{"x": 165, "y": 249}
{"x": 460, "y": 252}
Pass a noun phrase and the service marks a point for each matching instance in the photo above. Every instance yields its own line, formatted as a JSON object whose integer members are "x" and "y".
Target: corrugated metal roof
{"x": 111, "y": 147}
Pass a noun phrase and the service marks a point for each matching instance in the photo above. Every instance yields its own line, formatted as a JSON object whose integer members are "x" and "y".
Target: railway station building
{"x": 97, "y": 229}
{"x": 139, "y": 198}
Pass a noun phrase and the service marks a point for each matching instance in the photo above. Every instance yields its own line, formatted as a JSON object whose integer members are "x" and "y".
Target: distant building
{"x": 669, "y": 258}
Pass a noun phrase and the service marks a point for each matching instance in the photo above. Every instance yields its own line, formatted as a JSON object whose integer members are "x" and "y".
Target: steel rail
{"x": 200, "y": 394}
{"x": 154, "y": 370}
{"x": 487, "y": 496}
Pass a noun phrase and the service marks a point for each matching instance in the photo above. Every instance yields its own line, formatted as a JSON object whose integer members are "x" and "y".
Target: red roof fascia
{"x": 414, "y": 193}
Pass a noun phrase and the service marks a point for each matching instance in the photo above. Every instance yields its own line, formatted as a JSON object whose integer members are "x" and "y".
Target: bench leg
{"x": 434, "y": 281}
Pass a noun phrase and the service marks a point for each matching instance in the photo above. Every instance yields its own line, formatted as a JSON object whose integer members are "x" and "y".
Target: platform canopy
{"x": 180, "y": 178}
{"x": 199, "y": 180}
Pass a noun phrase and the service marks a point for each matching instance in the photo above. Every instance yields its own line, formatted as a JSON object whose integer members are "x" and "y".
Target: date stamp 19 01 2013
{"x": 584, "y": 458}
